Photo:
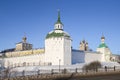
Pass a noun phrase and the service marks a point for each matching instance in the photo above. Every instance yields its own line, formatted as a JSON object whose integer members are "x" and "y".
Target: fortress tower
{"x": 58, "y": 45}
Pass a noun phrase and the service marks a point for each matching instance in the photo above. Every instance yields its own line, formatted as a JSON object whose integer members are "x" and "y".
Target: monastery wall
{"x": 28, "y": 60}
{"x": 92, "y": 56}
{"x": 78, "y": 56}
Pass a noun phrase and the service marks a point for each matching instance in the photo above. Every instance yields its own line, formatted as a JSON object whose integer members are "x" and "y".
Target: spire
{"x": 58, "y": 24}
{"x": 59, "y": 15}
{"x": 58, "y": 20}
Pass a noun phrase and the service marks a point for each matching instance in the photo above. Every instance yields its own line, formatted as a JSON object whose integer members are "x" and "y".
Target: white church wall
{"x": 106, "y": 54}
{"x": 78, "y": 56}
{"x": 92, "y": 56}
{"x": 115, "y": 58}
{"x": 102, "y": 50}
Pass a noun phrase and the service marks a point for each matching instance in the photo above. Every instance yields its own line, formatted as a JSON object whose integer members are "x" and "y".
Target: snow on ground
{"x": 36, "y": 68}
{"x": 110, "y": 64}
{"x": 33, "y": 70}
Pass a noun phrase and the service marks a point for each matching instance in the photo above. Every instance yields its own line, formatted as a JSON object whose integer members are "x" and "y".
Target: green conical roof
{"x": 102, "y": 45}
{"x": 54, "y": 34}
{"x": 58, "y": 21}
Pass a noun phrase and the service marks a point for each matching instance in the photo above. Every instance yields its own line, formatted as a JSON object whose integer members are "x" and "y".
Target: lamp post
{"x": 59, "y": 64}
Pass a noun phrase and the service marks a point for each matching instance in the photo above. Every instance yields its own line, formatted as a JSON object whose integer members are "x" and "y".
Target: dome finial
{"x": 24, "y": 38}
{"x": 102, "y": 38}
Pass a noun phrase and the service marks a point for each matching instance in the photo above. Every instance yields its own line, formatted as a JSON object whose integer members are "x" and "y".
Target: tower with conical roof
{"x": 103, "y": 48}
{"x": 58, "y": 45}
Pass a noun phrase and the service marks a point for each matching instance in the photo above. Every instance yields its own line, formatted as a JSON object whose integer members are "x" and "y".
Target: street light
{"x": 59, "y": 64}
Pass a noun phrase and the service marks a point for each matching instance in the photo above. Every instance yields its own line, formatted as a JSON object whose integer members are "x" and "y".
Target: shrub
{"x": 92, "y": 66}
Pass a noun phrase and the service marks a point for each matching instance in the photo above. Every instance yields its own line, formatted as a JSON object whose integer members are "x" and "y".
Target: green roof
{"x": 103, "y": 45}
{"x": 54, "y": 34}
{"x": 58, "y": 21}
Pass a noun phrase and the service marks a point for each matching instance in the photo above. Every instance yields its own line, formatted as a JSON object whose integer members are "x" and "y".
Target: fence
{"x": 12, "y": 74}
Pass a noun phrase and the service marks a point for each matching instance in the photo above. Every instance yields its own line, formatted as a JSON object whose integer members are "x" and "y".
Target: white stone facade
{"x": 106, "y": 54}
{"x": 78, "y": 56}
{"x": 58, "y": 51}
{"x": 92, "y": 56}
{"x": 29, "y": 60}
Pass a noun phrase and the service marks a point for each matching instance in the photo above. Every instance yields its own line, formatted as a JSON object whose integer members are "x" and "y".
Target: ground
{"x": 105, "y": 77}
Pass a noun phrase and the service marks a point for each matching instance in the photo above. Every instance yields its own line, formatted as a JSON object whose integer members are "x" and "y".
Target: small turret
{"x": 84, "y": 45}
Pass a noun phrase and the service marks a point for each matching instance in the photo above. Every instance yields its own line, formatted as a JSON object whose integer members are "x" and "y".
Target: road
{"x": 105, "y": 77}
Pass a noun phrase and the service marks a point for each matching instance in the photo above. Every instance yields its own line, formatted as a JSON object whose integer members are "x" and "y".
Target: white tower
{"x": 58, "y": 45}
{"x": 103, "y": 48}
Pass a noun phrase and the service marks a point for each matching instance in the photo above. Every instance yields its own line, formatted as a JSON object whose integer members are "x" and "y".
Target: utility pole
{"x": 59, "y": 64}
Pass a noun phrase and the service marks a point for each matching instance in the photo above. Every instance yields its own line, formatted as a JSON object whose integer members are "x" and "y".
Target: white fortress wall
{"x": 33, "y": 59}
{"x": 78, "y": 56}
{"x": 92, "y": 56}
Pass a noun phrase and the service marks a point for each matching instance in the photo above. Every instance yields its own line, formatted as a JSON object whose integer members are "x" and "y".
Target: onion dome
{"x": 24, "y": 39}
{"x": 102, "y": 37}
{"x": 102, "y": 45}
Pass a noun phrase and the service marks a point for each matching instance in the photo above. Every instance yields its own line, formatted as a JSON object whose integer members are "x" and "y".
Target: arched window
{"x": 58, "y": 26}
{"x": 24, "y": 64}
